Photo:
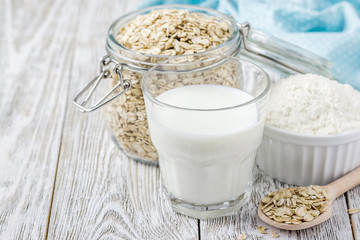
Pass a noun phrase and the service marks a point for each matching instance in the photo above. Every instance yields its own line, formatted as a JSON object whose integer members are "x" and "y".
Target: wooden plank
{"x": 338, "y": 227}
{"x": 354, "y": 202}
{"x": 99, "y": 193}
{"x": 33, "y": 97}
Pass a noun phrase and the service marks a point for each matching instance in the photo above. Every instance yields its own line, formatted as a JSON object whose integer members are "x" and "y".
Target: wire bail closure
{"x": 124, "y": 84}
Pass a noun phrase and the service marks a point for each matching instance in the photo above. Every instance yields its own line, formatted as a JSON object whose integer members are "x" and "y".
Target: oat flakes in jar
{"x": 141, "y": 39}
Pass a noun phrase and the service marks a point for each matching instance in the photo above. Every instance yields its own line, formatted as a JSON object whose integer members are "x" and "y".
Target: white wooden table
{"x": 61, "y": 177}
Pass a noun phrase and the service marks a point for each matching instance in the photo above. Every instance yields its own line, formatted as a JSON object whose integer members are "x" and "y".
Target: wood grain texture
{"x": 33, "y": 53}
{"x": 100, "y": 193}
{"x": 354, "y": 202}
{"x": 246, "y": 221}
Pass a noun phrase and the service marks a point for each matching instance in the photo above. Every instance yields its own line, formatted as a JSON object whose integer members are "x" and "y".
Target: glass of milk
{"x": 206, "y": 119}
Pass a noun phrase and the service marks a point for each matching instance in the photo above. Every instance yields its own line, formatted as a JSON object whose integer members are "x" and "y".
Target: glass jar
{"x": 124, "y": 109}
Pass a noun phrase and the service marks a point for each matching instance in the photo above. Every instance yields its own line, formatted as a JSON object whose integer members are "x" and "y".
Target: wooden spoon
{"x": 335, "y": 188}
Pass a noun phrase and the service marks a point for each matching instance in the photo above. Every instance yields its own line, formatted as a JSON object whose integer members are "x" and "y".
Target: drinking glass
{"x": 206, "y": 118}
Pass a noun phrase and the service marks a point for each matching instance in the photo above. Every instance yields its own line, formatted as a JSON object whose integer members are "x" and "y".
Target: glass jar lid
{"x": 269, "y": 51}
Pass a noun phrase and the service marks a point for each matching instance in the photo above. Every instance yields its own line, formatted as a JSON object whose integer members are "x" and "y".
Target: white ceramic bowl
{"x": 303, "y": 159}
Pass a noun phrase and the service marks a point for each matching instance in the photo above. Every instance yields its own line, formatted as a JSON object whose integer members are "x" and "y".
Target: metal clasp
{"x": 125, "y": 84}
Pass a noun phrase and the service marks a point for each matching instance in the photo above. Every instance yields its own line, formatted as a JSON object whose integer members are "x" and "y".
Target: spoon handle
{"x": 344, "y": 183}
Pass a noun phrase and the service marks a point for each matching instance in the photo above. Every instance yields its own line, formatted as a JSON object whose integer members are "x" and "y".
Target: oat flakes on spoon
{"x": 304, "y": 207}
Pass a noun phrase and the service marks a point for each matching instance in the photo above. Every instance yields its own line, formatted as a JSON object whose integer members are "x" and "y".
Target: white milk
{"x": 205, "y": 157}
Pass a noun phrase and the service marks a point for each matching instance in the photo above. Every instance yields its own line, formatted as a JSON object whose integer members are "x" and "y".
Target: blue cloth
{"x": 329, "y": 28}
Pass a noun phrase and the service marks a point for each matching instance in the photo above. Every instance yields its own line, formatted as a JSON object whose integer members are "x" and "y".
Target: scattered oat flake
{"x": 274, "y": 235}
{"x": 353, "y": 210}
{"x": 242, "y": 237}
{"x": 262, "y": 229}
{"x": 266, "y": 200}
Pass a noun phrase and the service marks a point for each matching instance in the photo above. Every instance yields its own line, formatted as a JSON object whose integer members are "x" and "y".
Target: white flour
{"x": 313, "y": 104}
